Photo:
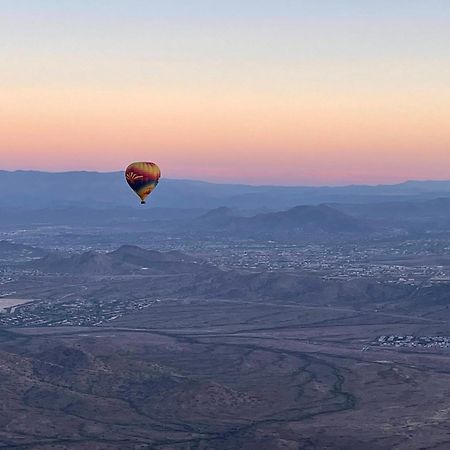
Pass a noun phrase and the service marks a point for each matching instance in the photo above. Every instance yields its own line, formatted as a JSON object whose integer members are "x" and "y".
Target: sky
{"x": 294, "y": 92}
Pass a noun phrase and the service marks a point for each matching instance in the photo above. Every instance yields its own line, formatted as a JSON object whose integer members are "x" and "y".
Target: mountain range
{"x": 297, "y": 221}
{"x": 40, "y": 190}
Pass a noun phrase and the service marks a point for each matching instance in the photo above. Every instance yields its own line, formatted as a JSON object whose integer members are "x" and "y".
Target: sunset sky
{"x": 256, "y": 91}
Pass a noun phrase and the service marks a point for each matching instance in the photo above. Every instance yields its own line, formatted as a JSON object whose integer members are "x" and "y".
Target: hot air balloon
{"x": 143, "y": 177}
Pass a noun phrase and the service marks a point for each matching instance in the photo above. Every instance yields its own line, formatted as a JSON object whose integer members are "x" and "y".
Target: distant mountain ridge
{"x": 30, "y": 189}
{"x": 297, "y": 221}
{"x": 306, "y": 218}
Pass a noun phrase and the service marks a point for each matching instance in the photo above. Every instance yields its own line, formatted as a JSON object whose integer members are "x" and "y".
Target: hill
{"x": 124, "y": 261}
{"x": 295, "y": 222}
{"x": 309, "y": 219}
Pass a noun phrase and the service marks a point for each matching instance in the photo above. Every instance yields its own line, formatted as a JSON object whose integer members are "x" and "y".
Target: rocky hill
{"x": 124, "y": 261}
{"x": 295, "y": 222}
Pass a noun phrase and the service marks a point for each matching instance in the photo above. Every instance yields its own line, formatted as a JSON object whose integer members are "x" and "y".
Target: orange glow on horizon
{"x": 254, "y": 137}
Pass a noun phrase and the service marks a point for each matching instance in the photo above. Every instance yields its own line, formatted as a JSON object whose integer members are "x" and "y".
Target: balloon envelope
{"x": 143, "y": 177}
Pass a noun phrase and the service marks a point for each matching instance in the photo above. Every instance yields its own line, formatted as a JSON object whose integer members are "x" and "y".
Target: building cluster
{"x": 79, "y": 312}
{"x": 413, "y": 341}
{"x": 338, "y": 262}
{"x": 6, "y": 276}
